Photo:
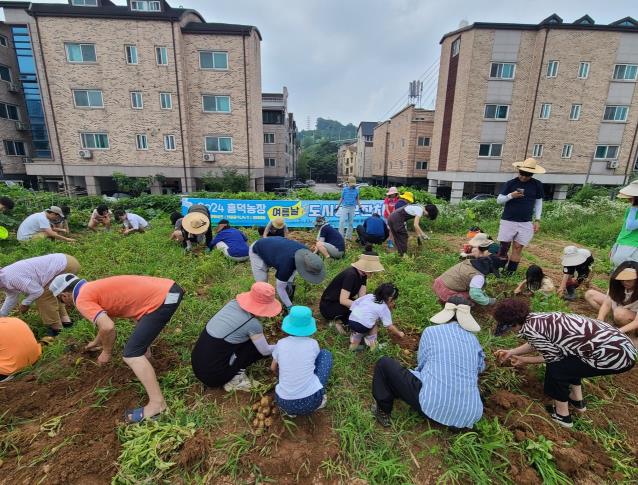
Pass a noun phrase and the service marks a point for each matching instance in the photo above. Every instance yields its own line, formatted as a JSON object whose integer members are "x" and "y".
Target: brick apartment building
{"x": 365, "y": 140}
{"x": 401, "y": 151}
{"x": 563, "y": 93}
{"x": 281, "y": 147}
{"x": 346, "y": 160}
{"x": 143, "y": 89}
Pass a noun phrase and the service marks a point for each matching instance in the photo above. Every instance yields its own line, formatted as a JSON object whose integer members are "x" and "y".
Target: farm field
{"x": 61, "y": 421}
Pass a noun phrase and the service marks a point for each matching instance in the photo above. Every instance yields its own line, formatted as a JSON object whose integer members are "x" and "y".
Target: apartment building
{"x": 563, "y": 93}
{"x": 144, "y": 89}
{"x": 281, "y": 147}
{"x": 401, "y": 151}
{"x": 365, "y": 140}
{"x": 346, "y": 160}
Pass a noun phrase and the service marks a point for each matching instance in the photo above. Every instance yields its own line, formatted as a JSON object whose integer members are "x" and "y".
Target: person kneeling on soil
{"x": 535, "y": 280}
{"x": 149, "y": 301}
{"x": 367, "y": 310}
{"x": 572, "y": 347}
{"x": 622, "y": 299}
{"x": 330, "y": 242}
{"x": 346, "y": 287}
{"x": 275, "y": 227}
{"x": 101, "y": 215}
{"x": 196, "y": 227}
{"x": 131, "y": 222}
{"x": 18, "y": 347}
{"x": 468, "y": 279}
{"x": 444, "y": 385}
{"x": 230, "y": 241}
{"x": 479, "y": 246}
{"x": 373, "y": 230}
{"x": 304, "y": 369}
{"x": 40, "y": 226}
{"x": 576, "y": 270}
{"x": 234, "y": 339}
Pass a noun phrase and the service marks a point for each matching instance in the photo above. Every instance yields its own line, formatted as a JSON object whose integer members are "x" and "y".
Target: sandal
{"x": 132, "y": 416}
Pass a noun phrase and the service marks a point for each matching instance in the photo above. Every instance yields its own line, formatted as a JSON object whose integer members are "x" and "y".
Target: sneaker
{"x": 241, "y": 382}
{"x": 564, "y": 421}
{"x": 382, "y": 418}
{"x": 580, "y": 406}
{"x": 324, "y": 401}
{"x": 52, "y": 332}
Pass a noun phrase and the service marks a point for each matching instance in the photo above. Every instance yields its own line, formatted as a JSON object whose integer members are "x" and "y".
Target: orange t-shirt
{"x": 125, "y": 296}
{"x": 18, "y": 346}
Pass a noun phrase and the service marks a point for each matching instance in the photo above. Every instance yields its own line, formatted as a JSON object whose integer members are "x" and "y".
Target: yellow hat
{"x": 409, "y": 196}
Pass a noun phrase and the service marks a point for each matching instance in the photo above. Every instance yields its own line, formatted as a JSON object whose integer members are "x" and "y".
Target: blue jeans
{"x": 346, "y": 216}
{"x": 306, "y": 405}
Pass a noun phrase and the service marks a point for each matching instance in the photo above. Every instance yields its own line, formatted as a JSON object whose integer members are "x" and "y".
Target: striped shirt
{"x": 29, "y": 276}
{"x": 449, "y": 362}
{"x": 559, "y": 335}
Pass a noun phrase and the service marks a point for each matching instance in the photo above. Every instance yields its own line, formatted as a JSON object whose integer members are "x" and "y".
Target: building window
{"x": 552, "y": 69}
{"x": 537, "y": 152}
{"x": 161, "y": 56}
{"x": 141, "y": 142}
{"x": 502, "y": 70}
{"x": 269, "y": 138}
{"x": 615, "y": 113}
{"x": 137, "y": 101}
{"x": 169, "y": 142}
{"x": 216, "y": 104}
{"x": 84, "y": 3}
{"x": 218, "y": 144}
{"x": 270, "y": 162}
{"x": 583, "y": 70}
{"x": 14, "y": 148}
{"x": 213, "y": 60}
{"x": 567, "y": 151}
{"x": 625, "y": 72}
{"x": 80, "y": 53}
{"x": 492, "y": 150}
{"x": 496, "y": 111}
{"x": 546, "y": 110}
{"x": 574, "y": 112}
{"x": 423, "y": 141}
{"x": 422, "y": 165}
{"x": 3, "y": 41}
{"x": 5, "y": 73}
{"x": 95, "y": 141}
{"x": 606, "y": 152}
{"x": 166, "y": 101}
{"x": 145, "y": 6}
{"x": 456, "y": 47}
{"x": 88, "y": 98}
{"x": 270, "y": 117}
{"x": 131, "y": 54}
{"x": 9, "y": 112}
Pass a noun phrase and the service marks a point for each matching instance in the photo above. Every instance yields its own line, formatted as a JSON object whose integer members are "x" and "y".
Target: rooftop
{"x": 367, "y": 127}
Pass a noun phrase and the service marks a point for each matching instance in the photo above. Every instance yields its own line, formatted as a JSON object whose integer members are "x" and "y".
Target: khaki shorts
{"x": 51, "y": 310}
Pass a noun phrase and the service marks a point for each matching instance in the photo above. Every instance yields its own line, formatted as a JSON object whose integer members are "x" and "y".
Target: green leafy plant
{"x": 539, "y": 455}
{"x": 132, "y": 185}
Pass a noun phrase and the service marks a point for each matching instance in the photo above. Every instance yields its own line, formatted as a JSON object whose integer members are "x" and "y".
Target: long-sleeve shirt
{"x": 449, "y": 361}
{"x": 538, "y": 205}
{"x": 30, "y": 277}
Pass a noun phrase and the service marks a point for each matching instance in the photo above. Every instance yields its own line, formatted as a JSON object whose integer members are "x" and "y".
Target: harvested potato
{"x": 406, "y": 352}
{"x": 265, "y": 401}
{"x": 260, "y": 416}
{"x": 266, "y": 412}
{"x": 268, "y": 422}
{"x": 260, "y": 424}
{"x": 256, "y": 407}
{"x": 255, "y": 422}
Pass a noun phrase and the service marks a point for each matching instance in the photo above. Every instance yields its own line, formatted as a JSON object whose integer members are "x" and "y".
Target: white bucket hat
{"x": 573, "y": 256}
{"x": 462, "y": 315}
{"x": 480, "y": 240}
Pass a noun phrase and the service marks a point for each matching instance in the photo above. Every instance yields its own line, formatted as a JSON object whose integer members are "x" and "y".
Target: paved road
{"x": 323, "y": 188}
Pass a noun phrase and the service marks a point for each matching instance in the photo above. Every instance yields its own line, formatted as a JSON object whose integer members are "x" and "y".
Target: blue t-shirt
{"x": 521, "y": 209}
{"x": 349, "y": 196}
{"x": 332, "y": 236}
{"x": 400, "y": 203}
{"x": 234, "y": 239}
{"x": 279, "y": 253}
{"x": 374, "y": 226}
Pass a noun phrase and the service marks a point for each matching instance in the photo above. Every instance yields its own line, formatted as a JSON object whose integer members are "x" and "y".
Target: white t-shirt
{"x": 32, "y": 225}
{"x": 366, "y": 311}
{"x": 133, "y": 221}
{"x": 414, "y": 210}
{"x": 296, "y": 359}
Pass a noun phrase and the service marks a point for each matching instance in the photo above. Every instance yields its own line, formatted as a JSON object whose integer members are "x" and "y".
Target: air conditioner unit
{"x": 15, "y": 87}
{"x": 612, "y": 164}
{"x": 209, "y": 157}
{"x": 27, "y": 160}
{"x": 21, "y": 126}
{"x": 85, "y": 154}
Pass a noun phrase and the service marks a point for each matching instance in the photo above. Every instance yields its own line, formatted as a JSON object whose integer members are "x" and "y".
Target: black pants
{"x": 399, "y": 235}
{"x": 334, "y": 311}
{"x": 365, "y": 238}
{"x": 393, "y": 381}
{"x": 569, "y": 371}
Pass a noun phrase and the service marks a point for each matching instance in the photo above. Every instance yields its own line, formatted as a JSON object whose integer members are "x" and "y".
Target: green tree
{"x": 320, "y": 160}
{"x": 230, "y": 181}
{"x": 132, "y": 185}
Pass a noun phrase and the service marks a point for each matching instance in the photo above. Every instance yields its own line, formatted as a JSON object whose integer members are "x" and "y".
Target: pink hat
{"x": 260, "y": 300}
{"x": 392, "y": 191}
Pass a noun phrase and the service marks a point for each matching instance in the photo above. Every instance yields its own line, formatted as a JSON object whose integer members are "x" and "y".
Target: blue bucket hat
{"x": 299, "y": 322}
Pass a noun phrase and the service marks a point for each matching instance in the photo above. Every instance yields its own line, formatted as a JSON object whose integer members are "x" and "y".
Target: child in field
{"x": 367, "y": 310}
{"x": 131, "y": 222}
{"x": 303, "y": 368}
{"x": 577, "y": 264}
{"x": 535, "y": 280}
{"x": 101, "y": 215}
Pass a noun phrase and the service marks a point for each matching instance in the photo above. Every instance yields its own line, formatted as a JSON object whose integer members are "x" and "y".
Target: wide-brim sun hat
{"x": 299, "y": 322}
{"x": 529, "y": 165}
{"x": 480, "y": 240}
{"x": 629, "y": 191}
{"x": 392, "y": 191}
{"x": 573, "y": 256}
{"x": 195, "y": 223}
{"x": 260, "y": 300}
{"x": 461, "y": 313}
{"x": 368, "y": 263}
{"x": 409, "y": 196}
{"x": 627, "y": 274}
{"x": 4, "y": 232}
{"x": 310, "y": 266}
{"x": 61, "y": 282}
{"x": 278, "y": 222}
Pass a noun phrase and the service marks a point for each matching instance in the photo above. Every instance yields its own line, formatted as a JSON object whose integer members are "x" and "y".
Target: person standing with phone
{"x": 523, "y": 200}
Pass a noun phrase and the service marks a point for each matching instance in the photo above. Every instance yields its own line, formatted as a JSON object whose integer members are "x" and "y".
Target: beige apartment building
{"x": 401, "y": 151}
{"x": 346, "y": 161}
{"x": 144, "y": 89}
{"x": 281, "y": 147}
{"x": 563, "y": 93}
{"x": 365, "y": 141}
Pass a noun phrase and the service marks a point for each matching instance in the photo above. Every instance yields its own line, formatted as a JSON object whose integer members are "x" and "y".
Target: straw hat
{"x": 310, "y": 266}
{"x": 352, "y": 180}
{"x": 409, "y": 196}
{"x": 392, "y": 191}
{"x": 277, "y": 222}
{"x": 299, "y": 322}
{"x": 369, "y": 263}
{"x": 461, "y": 313}
{"x": 529, "y": 165}
{"x": 61, "y": 282}
{"x": 629, "y": 191}
{"x": 196, "y": 223}
{"x": 480, "y": 240}
{"x": 627, "y": 274}
{"x": 260, "y": 300}
{"x": 573, "y": 256}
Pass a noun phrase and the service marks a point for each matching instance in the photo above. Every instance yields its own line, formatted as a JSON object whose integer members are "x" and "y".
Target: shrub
{"x": 132, "y": 185}
{"x": 230, "y": 181}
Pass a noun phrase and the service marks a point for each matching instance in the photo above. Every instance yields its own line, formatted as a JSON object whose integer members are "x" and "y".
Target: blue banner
{"x": 297, "y": 213}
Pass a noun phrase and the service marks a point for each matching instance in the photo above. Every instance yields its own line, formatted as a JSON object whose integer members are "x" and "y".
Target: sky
{"x": 352, "y": 60}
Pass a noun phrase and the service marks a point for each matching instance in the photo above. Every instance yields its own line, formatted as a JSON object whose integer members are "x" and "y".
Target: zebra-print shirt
{"x": 558, "y": 335}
